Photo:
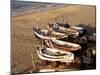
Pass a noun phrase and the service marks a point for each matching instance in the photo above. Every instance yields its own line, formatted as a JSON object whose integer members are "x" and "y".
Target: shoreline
{"x": 38, "y": 10}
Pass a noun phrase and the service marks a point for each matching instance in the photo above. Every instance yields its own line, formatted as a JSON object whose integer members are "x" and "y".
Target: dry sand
{"x": 23, "y": 40}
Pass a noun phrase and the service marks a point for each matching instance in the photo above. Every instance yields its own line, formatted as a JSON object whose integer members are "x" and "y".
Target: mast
{"x": 33, "y": 62}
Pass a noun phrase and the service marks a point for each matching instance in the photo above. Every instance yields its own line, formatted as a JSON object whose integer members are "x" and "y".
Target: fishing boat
{"x": 68, "y": 28}
{"x": 54, "y": 55}
{"x": 69, "y": 31}
{"x": 45, "y": 34}
{"x": 56, "y": 70}
{"x": 91, "y": 38}
{"x": 67, "y": 46}
{"x": 72, "y": 27}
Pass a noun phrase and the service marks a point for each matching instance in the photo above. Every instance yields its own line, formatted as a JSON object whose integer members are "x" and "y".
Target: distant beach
{"x": 24, "y": 7}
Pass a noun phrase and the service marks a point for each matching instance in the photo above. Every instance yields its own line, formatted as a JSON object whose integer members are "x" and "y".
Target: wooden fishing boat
{"x": 52, "y": 54}
{"x": 91, "y": 38}
{"x": 69, "y": 31}
{"x": 56, "y": 70}
{"x": 45, "y": 34}
{"x": 53, "y": 43}
{"x": 67, "y": 28}
{"x": 72, "y": 27}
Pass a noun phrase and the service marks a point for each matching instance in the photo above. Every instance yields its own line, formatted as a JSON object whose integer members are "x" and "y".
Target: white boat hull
{"x": 55, "y": 35}
{"x": 67, "y": 46}
{"x": 67, "y": 58}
